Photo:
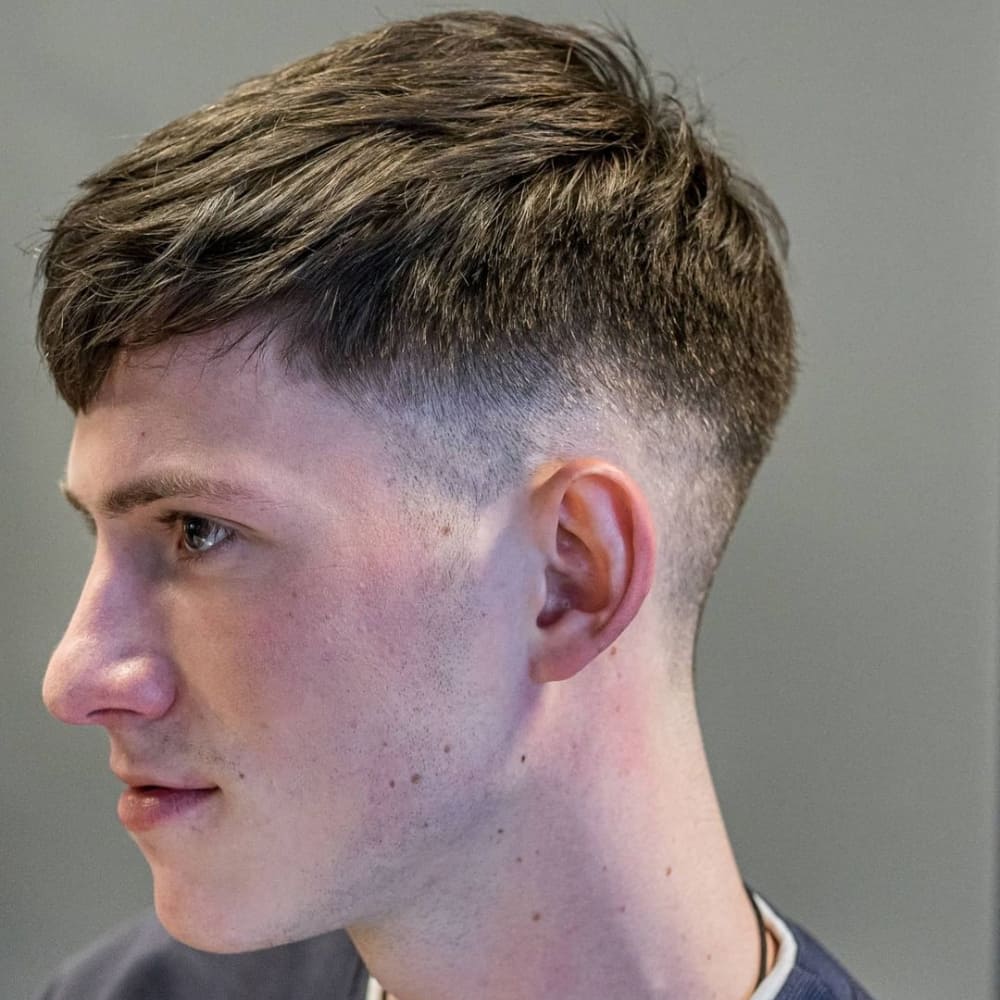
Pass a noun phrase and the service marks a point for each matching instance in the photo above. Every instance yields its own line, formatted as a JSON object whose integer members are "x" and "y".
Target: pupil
{"x": 195, "y": 535}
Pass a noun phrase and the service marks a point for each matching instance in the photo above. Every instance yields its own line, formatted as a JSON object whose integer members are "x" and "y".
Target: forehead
{"x": 191, "y": 402}
{"x": 215, "y": 368}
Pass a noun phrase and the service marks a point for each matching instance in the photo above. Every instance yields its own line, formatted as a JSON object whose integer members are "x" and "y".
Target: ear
{"x": 594, "y": 527}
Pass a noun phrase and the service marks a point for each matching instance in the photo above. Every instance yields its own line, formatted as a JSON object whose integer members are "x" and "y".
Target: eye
{"x": 199, "y": 536}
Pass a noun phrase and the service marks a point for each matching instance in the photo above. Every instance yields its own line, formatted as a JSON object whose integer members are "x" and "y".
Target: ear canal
{"x": 555, "y": 608}
{"x": 574, "y": 583}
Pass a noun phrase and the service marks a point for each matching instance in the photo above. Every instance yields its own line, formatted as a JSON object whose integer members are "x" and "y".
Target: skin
{"x": 452, "y": 737}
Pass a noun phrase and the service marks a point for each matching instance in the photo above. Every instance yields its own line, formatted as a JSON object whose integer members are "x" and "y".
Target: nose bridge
{"x": 109, "y": 660}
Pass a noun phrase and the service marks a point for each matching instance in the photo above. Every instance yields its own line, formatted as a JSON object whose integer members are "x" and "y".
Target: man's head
{"x": 480, "y": 321}
{"x": 474, "y": 224}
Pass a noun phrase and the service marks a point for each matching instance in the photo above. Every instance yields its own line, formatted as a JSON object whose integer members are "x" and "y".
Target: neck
{"x": 608, "y": 874}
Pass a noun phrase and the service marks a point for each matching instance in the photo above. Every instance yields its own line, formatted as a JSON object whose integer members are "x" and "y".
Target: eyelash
{"x": 175, "y": 519}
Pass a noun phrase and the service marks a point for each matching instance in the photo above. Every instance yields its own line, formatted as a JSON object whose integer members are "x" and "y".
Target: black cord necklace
{"x": 762, "y": 934}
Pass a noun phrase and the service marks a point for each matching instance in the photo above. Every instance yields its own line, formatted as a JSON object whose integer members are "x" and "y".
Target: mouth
{"x": 147, "y": 806}
{"x": 152, "y": 787}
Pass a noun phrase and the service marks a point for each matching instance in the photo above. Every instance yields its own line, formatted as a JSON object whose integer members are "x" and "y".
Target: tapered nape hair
{"x": 468, "y": 210}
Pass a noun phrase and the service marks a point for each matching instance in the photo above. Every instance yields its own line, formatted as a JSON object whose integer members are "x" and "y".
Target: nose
{"x": 107, "y": 665}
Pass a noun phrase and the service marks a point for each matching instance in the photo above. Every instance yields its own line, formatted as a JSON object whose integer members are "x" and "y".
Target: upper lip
{"x": 143, "y": 779}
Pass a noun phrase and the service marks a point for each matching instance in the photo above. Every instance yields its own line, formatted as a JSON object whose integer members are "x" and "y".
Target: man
{"x": 418, "y": 386}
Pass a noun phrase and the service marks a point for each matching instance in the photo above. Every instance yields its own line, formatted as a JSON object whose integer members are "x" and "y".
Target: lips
{"x": 147, "y": 806}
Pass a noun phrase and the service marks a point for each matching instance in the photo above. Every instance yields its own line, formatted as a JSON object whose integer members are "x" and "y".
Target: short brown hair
{"x": 468, "y": 205}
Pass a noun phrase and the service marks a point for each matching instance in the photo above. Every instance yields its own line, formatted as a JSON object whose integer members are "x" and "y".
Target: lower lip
{"x": 142, "y": 809}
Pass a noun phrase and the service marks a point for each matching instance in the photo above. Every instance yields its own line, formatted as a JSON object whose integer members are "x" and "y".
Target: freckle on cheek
{"x": 536, "y": 917}
{"x": 414, "y": 778}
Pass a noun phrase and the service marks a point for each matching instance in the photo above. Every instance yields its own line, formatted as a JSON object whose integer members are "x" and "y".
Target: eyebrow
{"x": 159, "y": 486}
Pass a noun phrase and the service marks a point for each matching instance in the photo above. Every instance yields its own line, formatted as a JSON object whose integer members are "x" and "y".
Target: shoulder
{"x": 816, "y": 974}
{"x": 140, "y": 961}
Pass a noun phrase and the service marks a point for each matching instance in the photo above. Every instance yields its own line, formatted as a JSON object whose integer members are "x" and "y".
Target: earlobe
{"x": 597, "y": 532}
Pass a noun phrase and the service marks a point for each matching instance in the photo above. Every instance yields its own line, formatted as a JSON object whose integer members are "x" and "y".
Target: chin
{"x": 220, "y": 938}
{"x": 245, "y": 918}
{"x": 207, "y": 922}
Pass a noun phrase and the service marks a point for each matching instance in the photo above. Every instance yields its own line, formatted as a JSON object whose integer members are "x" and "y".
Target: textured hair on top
{"x": 467, "y": 207}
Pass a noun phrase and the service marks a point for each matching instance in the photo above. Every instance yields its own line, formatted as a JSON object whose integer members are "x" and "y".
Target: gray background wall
{"x": 848, "y": 667}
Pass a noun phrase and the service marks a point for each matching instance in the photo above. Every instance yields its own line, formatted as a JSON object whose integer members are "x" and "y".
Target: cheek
{"x": 331, "y": 641}
{"x": 247, "y": 653}
{"x": 359, "y": 667}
